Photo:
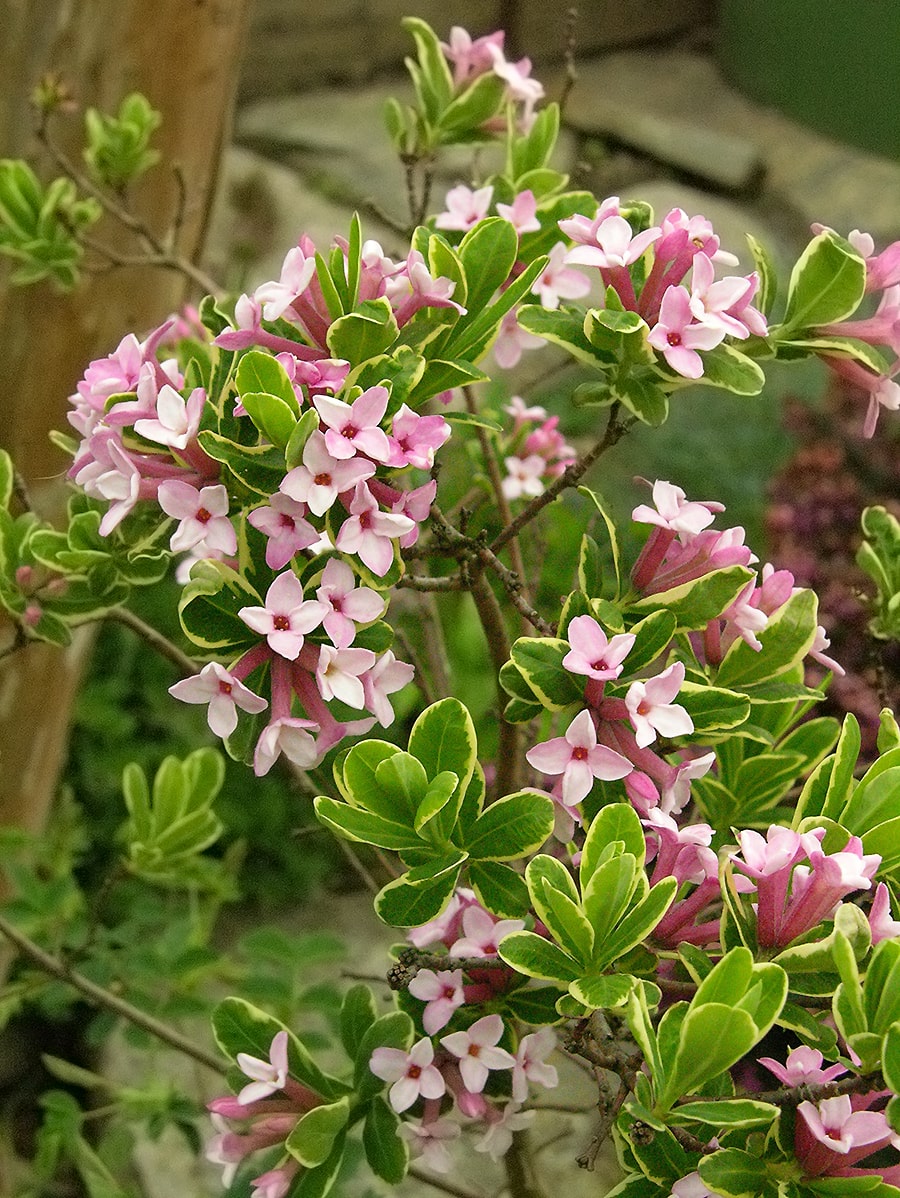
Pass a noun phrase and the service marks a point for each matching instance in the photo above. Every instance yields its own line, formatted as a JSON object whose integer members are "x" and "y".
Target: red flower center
{"x": 579, "y": 754}
{"x": 203, "y": 515}
{"x": 281, "y": 623}
{"x": 673, "y": 338}
{"x": 414, "y": 1071}
{"x": 322, "y": 480}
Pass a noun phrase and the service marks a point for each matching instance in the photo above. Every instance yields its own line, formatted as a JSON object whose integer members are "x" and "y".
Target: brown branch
{"x": 162, "y": 645}
{"x": 615, "y": 430}
{"x": 101, "y": 997}
{"x": 571, "y": 73}
{"x": 509, "y": 747}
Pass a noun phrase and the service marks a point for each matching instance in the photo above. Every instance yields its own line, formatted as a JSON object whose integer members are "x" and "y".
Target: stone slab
{"x": 818, "y": 178}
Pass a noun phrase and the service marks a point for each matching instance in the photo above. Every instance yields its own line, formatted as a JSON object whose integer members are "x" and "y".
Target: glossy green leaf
{"x": 393, "y": 1030}
{"x": 312, "y": 1138}
{"x": 512, "y": 827}
{"x": 420, "y": 894}
{"x": 785, "y": 640}
{"x": 386, "y": 1151}
{"x": 261, "y": 373}
{"x": 499, "y": 888}
{"x": 358, "y": 1013}
{"x": 538, "y": 958}
{"x": 733, "y": 1112}
{"x": 363, "y": 827}
{"x": 728, "y": 368}
{"x": 271, "y": 415}
{"x": 539, "y": 660}
{"x": 599, "y": 991}
{"x": 366, "y": 333}
{"x": 712, "y": 1038}
{"x": 695, "y": 603}
{"x": 827, "y": 284}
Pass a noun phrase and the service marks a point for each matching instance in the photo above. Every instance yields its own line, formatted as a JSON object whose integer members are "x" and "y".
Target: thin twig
{"x": 419, "y": 582}
{"x": 101, "y": 997}
{"x": 438, "y": 1183}
{"x": 163, "y": 646}
{"x": 571, "y": 73}
{"x": 367, "y": 880}
{"x": 422, "y": 681}
{"x": 509, "y": 747}
{"x": 615, "y": 430}
{"x": 20, "y": 490}
{"x": 503, "y": 508}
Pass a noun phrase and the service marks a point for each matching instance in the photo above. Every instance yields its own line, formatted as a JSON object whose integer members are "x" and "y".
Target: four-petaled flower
{"x": 441, "y": 992}
{"x": 579, "y": 759}
{"x": 478, "y": 1053}
{"x": 368, "y": 531}
{"x": 223, "y": 692}
{"x": 267, "y": 1076}
{"x": 203, "y": 517}
{"x": 651, "y": 708}
{"x": 592, "y": 653}
{"x": 413, "y": 1073}
{"x": 353, "y": 429}
{"x": 287, "y": 616}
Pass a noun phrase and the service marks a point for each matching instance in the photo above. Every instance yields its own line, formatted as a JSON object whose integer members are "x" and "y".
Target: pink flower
{"x": 482, "y": 933}
{"x": 803, "y": 1067}
{"x": 414, "y": 439}
{"x": 441, "y": 992}
{"x": 511, "y": 340}
{"x": 713, "y": 303}
{"x": 412, "y": 1073}
{"x": 429, "y": 1141}
{"x": 558, "y": 281}
{"x": 297, "y": 273}
{"x": 223, "y": 692}
{"x": 651, "y": 708}
{"x": 203, "y": 517}
{"x": 267, "y": 1076}
{"x": 531, "y": 1063}
{"x": 592, "y": 653}
{"x": 579, "y": 759}
{"x": 338, "y": 674}
{"x": 498, "y": 1138}
{"x": 275, "y": 1183}
{"x": 833, "y": 1129}
{"x": 287, "y": 531}
{"x": 322, "y": 477}
{"x": 465, "y": 208}
{"x": 675, "y": 513}
{"x": 368, "y": 531}
{"x": 120, "y": 483}
{"x": 678, "y": 338}
{"x": 289, "y": 736}
{"x": 525, "y": 476}
{"x": 883, "y": 927}
{"x": 385, "y": 678}
{"x": 612, "y": 242}
{"x": 470, "y": 57}
{"x": 477, "y": 1051}
{"x": 414, "y": 288}
{"x": 287, "y": 616}
{"x": 350, "y": 604}
{"x": 521, "y": 213}
{"x": 353, "y": 428}
{"x": 177, "y": 420}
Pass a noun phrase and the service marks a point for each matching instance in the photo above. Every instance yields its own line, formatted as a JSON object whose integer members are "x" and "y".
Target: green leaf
{"x": 261, "y": 373}
{"x": 358, "y": 1013}
{"x": 539, "y": 660}
{"x": 734, "y": 1112}
{"x": 827, "y": 284}
{"x": 300, "y": 434}
{"x": 713, "y": 1036}
{"x": 499, "y": 889}
{"x": 355, "y": 777}
{"x": 890, "y": 1057}
{"x": 537, "y": 958}
{"x": 600, "y": 504}
{"x": 272, "y": 417}
{"x": 512, "y": 827}
{"x": 732, "y": 1173}
{"x": 608, "y": 893}
{"x": 565, "y": 329}
{"x": 315, "y": 1183}
{"x": 765, "y": 268}
{"x": 614, "y": 822}
{"x": 602, "y": 991}
{"x": 363, "y": 334}
{"x": 403, "y": 781}
{"x": 728, "y": 368}
{"x": 785, "y": 640}
{"x": 695, "y": 603}
{"x": 473, "y": 420}
{"x": 443, "y": 738}
{"x": 713, "y": 708}
{"x": 420, "y": 894}
{"x": 312, "y": 1139}
{"x": 644, "y": 398}
{"x": 471, "y": 335}
{"x": 363, "y": 827}
{"x": 238, "y": 1026}
{"x": 638, "y": 923}
{"x": 652, "y": 635}
{"x": 487, "y": 252}
{"x": 386, "y": 1151}
{"x": 437, "y": 796}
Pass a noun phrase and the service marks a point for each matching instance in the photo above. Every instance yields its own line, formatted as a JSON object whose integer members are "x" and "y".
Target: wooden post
{"x": 184, "y": 56}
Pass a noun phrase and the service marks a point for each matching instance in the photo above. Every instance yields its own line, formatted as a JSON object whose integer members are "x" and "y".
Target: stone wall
{"x": 294, "y": 45}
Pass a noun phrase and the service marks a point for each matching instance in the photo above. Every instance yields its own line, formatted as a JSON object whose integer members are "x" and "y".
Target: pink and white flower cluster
{"x": 266, "y": 1111}
{"x": 880, "y": 330}
{"x": 538, "y": 453}
{"x": 685, "y": 316}
{"x": 682, "y": 547}
{"x": 797, "y": 884}
{"x": 471, "y": 58}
